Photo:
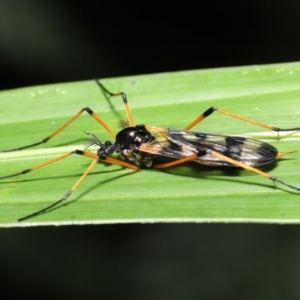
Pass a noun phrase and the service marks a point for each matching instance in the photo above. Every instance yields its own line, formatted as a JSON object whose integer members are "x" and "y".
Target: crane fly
{"x": 139, "y": 146}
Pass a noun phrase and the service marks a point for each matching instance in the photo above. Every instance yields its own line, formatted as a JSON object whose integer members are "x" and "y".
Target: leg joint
{"x": 88, "y": 110}
{"x": 209, "y": 111}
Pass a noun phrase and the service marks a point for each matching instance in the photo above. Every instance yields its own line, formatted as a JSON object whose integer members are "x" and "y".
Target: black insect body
{"x": 127, "y": 145}
{"x": 139, "y": 145}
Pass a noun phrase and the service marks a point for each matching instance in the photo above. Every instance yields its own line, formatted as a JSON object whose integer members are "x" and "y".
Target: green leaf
{"x": 185, "y": 193}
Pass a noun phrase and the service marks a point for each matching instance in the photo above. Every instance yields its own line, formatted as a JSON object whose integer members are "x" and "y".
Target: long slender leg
{"x": 65, "y": 197}
{"x": 96, "y": 158}
{"x": 106, "y": 159}
{"x": 254, "y": 170}
{"x": 77, "y": 183}
{"x": 124, "y": 98}
{"x": 48, "y": 162}
{"x": 60, "y": 129}
{"x": 175, "y": 162}
{"x": 229, "y": 160}
{"x": 225, "y": 112}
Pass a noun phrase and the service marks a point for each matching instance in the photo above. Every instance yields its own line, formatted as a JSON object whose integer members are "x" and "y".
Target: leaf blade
{"x": 185, "y": 193}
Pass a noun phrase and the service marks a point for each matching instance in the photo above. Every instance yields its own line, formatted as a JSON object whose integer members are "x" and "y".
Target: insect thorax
{"x": 128, "y": 142}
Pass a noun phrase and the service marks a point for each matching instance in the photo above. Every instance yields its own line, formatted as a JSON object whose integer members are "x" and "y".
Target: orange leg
{"x": 227, "y": 159}
{"x": 176, "y": 162}
{"x": 65, "y": 197}
{"x": 124, "y": 98}
{"x": 225, "y": 112}
{"x": 60, "y": 129}
{"x": 78, "y": 152}
{"x": 254, "y": 170}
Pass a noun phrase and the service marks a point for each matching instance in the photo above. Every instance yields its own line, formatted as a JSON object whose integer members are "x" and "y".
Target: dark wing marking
{"x": 182, "y": 143}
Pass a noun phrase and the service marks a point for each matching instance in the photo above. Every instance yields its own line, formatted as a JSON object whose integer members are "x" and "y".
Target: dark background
{"x": 56, "y": 41}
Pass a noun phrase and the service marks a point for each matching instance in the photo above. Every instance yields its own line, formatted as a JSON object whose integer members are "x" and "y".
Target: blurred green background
{"x": 58, "y": 41}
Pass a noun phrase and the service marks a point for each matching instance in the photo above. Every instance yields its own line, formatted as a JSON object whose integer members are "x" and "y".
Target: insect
{"x": 140, "y": 145}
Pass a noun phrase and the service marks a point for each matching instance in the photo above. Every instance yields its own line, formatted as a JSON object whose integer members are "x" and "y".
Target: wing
{"x": 182, "y": 143}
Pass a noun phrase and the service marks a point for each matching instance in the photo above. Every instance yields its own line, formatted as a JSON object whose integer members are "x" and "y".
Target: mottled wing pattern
{"x": 182, "y": 143}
